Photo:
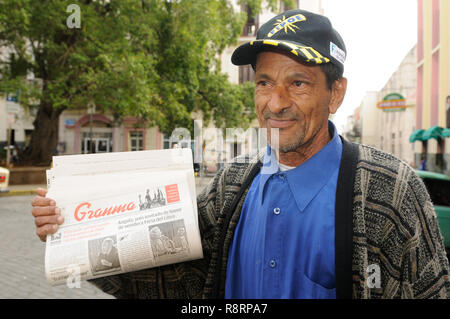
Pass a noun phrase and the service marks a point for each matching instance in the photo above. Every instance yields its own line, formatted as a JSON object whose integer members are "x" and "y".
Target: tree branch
{"x": 203, "y": 95}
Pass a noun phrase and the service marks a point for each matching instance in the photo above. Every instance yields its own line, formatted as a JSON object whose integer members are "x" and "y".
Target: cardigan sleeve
{"x": 181, "y": 280}
{"x": 425, "y": 266}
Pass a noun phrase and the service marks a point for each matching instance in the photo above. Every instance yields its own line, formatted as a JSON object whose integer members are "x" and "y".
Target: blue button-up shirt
{"x": 283, "y": 245}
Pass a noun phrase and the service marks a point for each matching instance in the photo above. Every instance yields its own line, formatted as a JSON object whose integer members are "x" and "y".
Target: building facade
{"x": 380, "y": 123}
{"x": 81, "y": 133}
{"x": 433, "y": 86}
{"x": 394, "y": 125}
{"x": 352, "y": 129}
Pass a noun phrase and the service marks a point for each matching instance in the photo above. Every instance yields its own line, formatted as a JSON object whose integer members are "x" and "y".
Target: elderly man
{"x": 325, "y": 219}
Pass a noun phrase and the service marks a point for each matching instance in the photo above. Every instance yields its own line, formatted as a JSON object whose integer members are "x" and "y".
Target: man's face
{"x": 155, "y": 233}
{"x": 106, "y": 246}
{"x": 291, "y": 97}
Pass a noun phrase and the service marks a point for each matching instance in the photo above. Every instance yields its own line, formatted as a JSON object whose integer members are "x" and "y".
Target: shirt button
{"x": 276, "y": 210}
{"x": 272, "y": 263}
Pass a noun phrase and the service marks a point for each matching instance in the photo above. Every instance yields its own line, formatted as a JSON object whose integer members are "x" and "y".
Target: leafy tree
{"x": 154, "y": 59}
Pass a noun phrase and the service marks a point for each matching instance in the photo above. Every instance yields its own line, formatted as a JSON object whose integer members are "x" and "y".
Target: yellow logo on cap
{"x": 287, "y": 24}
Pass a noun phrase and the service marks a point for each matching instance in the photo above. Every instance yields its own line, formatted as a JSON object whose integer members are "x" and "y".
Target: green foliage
{"x": 154, "y": 59}
{"x": 273, "y": 5}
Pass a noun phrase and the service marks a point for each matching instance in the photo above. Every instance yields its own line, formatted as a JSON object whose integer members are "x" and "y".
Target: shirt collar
{"x": 306, "y": 180}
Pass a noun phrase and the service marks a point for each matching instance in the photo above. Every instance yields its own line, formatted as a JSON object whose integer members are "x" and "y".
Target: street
{"x": 22, "y": 255}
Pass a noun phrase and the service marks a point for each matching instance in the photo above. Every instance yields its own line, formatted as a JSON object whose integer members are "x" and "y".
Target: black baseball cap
{"x": 308, "y": 36}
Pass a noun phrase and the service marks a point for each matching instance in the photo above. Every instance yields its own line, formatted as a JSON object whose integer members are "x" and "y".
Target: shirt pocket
{"x": 308, "y": 289}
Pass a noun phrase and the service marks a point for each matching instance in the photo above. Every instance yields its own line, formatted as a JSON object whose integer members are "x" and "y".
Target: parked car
{"x": 4, "y": 179}
{"x": 438, "y": 186}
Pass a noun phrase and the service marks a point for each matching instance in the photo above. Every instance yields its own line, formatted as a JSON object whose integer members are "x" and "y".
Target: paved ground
{"x": 22, "y": 255}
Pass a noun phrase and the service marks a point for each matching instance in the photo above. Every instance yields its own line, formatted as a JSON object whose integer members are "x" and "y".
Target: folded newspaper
{"x": 123, "y": 212}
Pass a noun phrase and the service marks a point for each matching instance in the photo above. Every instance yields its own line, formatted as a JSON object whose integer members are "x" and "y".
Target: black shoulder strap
{"x": 344, "y": 220}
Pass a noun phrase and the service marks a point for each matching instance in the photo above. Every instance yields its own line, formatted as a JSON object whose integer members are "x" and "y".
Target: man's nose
{"x": 279, "y": 99}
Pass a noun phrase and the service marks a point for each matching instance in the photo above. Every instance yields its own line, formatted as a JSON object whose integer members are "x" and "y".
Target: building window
{"x": 251, "y": 25}
{"x": 168, "y": 143}
{"x": 235, "y": 149}
{"x": 136, "y": 140}
{"x": 12, "y": 138}
{"x": 97, "y": 142}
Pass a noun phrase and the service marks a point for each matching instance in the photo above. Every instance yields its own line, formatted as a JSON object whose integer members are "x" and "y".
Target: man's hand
{"x": 47, "y": 216}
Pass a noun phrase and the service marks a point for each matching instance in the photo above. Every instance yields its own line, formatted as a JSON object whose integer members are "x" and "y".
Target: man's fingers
{"x": 51, "y": 220}
{"x": 45, "y": 230}
{"x": 42, "y": 201}
{"x": 41, "y": 192}
{"x": 47, "y": 215}
{"x": 45, "y": 211}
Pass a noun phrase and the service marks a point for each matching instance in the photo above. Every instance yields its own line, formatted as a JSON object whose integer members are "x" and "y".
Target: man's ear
{"x": 337, "y": 94}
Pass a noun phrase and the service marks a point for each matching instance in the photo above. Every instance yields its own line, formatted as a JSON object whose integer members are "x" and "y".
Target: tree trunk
{"x": 44, "y": 138}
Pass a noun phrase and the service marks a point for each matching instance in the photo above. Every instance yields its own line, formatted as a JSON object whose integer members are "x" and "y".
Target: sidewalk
{"x": 21, "y": 190}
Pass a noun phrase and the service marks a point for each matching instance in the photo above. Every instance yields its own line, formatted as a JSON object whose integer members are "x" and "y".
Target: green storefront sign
{"x": 393, "y": 102}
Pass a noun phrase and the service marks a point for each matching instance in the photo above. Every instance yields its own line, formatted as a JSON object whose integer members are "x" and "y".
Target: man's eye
{"x": 298, "y": 83}
{"x": 262, "y": 83}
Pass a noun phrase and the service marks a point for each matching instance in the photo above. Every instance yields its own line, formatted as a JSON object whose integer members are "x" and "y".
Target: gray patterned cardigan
{"x": 384, "y": 217}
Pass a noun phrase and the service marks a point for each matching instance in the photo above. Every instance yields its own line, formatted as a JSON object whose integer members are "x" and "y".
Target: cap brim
{"x": 246, "y": 53}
